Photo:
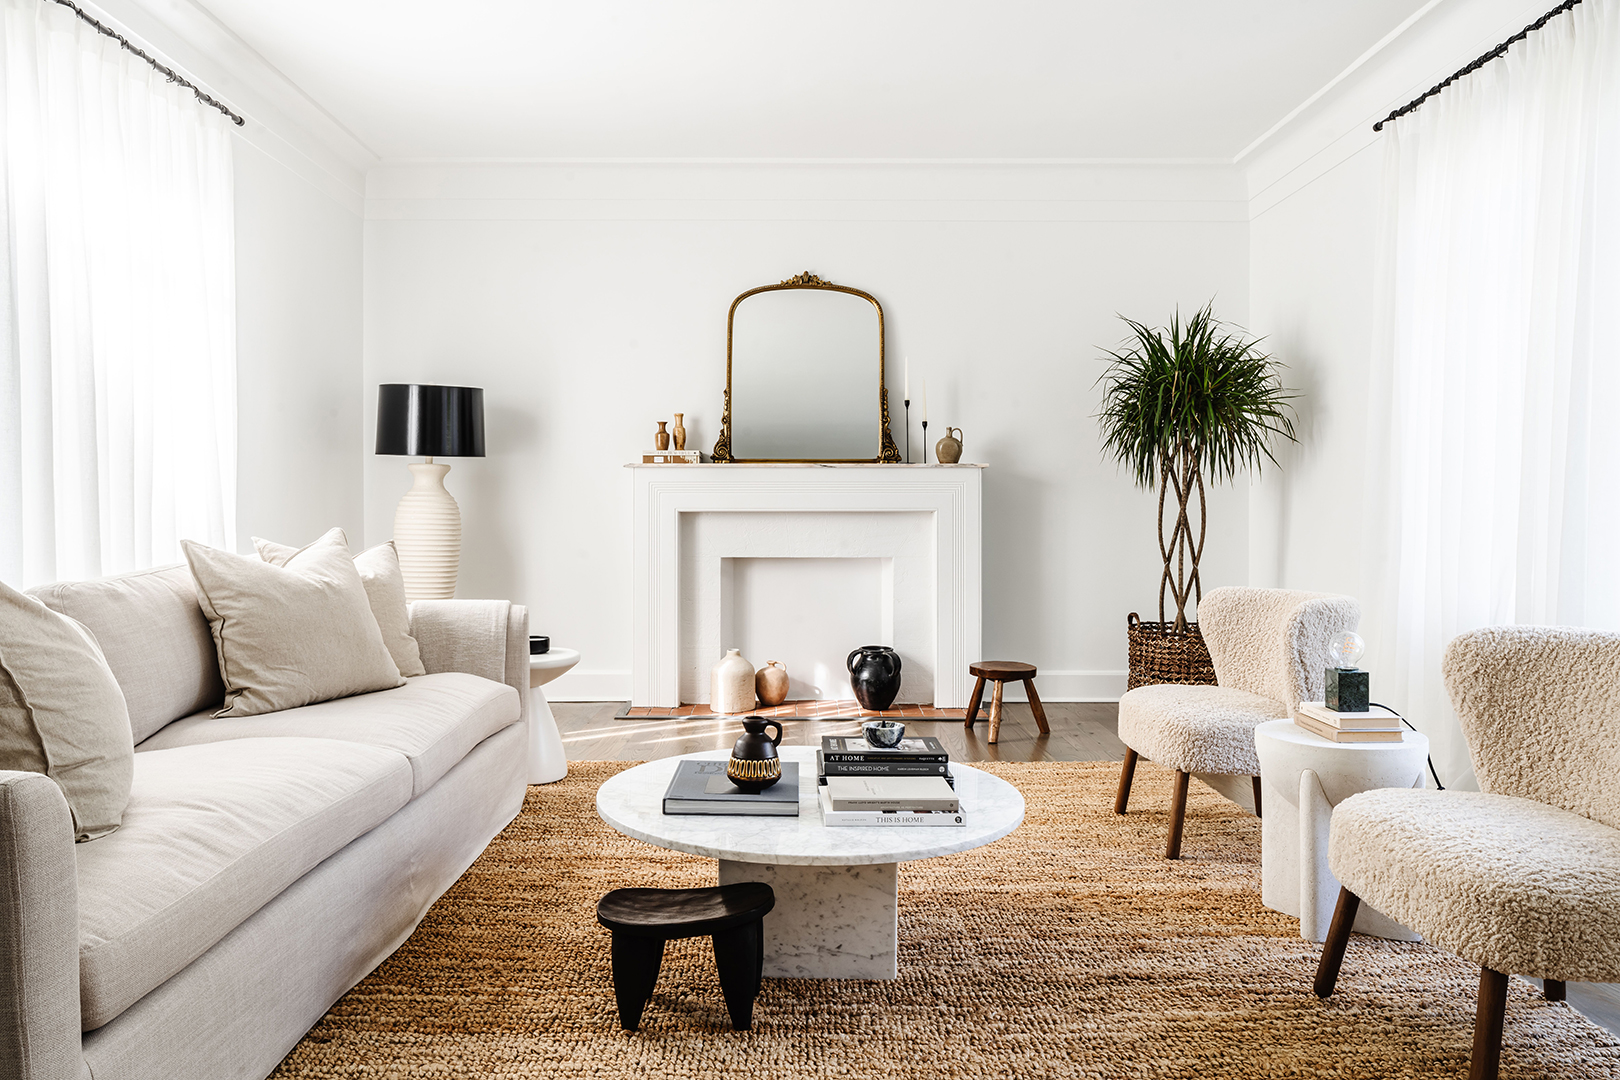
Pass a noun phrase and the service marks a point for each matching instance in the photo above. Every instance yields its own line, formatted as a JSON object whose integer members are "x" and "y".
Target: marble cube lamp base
{"x": 830, "y": 922}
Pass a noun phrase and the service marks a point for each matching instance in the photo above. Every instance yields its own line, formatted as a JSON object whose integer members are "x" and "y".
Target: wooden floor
{"x": 1081, "y": 731}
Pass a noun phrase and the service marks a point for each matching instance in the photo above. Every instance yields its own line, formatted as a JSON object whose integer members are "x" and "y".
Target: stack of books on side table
{"x": 862, "y": 785}
{"x": 702, "y": 787}
{"x": 1377, "y": 724}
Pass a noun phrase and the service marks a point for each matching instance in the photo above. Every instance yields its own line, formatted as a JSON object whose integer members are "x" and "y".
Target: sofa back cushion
{"x": 155, "y": 638}
{"x": 61, "y": 712}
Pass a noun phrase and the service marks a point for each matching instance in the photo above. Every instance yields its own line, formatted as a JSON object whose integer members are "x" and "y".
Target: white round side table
{"x": 547, "y": 762}
{"x": 1303, "y": 776}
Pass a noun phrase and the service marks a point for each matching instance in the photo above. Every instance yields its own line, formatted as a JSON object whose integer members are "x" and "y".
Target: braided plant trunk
{"x": 1179, "y": 475}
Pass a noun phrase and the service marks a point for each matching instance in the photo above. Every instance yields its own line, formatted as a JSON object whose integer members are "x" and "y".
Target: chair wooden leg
{"x": 973, "y": 702}
{"x": 737, "y": 956}
{"x": 1256, "y": 780}
{"x": 1127, "y": 773}
{"x": 1486, "y": 1059}
{"x": 1338, "y": 938}
{"x": 636, "y": 961}
{"x": 995, "y": 711}
{"x": 1553, "y": 989}
{"x": 1035, "y": 706}
{"x": 1178, "y": 816}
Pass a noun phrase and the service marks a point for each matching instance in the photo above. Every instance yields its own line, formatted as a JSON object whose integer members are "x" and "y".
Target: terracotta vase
{"x": 680, "y": 433}
{"x": 948, "y": 451}
{"x": 731, "y": 684}
{"x": 661, "y": 439}
{"x": 754, "y": 764}
{"x": 771, "y": 683}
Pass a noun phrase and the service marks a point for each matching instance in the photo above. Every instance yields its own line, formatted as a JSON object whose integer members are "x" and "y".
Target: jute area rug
{"x": 1069, "y": 949}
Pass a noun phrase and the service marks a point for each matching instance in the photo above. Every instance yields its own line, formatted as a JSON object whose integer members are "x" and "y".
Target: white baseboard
{"x": 1058, "y": 685}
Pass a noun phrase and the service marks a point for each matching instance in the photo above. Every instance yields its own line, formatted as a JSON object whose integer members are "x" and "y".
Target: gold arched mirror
{"x": 804, "y": 376}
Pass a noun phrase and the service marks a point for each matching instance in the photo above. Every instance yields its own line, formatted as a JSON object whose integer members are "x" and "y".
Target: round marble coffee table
{"x": 837, "y": 890}
{"x": 547, "y": 761}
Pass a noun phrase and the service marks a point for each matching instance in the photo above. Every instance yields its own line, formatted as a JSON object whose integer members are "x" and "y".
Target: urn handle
{"x": 850, "y": 663}
{"x": 777, "y": 739}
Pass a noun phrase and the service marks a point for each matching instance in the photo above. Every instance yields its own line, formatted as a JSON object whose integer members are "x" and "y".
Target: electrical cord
{"x": 1438, "y": 786}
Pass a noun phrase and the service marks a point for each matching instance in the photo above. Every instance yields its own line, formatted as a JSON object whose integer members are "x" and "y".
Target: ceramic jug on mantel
{"x": 731, "y": 684}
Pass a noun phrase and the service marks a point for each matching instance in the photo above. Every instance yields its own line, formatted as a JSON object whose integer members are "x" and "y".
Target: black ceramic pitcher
{"x": 754, "y": 765}
{"x": 874, "y": 672}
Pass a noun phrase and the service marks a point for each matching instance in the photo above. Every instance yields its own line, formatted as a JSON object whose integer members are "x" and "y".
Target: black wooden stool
{"x": 1000, "y": 672}
{"x": 643, "y": 919}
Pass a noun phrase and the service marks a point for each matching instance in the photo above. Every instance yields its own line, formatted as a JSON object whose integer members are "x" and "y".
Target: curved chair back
{"x": 1540, "y": 707}
{"x": 1273, "y": 642}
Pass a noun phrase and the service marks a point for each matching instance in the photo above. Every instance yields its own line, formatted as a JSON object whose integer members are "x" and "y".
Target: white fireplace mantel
{"x": 836, "y": 511}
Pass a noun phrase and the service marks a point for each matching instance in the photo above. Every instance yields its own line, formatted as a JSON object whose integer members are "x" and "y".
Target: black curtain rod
{"x": 1471, "y": 68}
{"x": 168, "y": 72}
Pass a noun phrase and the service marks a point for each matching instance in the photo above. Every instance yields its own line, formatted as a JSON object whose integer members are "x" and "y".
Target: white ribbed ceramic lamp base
{"x": 427, "y": 532}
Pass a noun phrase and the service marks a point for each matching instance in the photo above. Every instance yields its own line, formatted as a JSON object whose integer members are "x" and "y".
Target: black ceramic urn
{"x": 754, "y": 765}
{"x": 874, "y": 672}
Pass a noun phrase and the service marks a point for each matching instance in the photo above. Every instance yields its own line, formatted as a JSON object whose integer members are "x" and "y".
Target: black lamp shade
{"x": 417, "y": 420}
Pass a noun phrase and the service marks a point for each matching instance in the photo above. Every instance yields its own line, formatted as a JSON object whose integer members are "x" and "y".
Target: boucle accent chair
{"x": 1270, "y": 647}
{"x": 1523, "y": 876}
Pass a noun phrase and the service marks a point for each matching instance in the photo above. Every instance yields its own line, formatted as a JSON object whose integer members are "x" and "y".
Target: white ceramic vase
{"x": 427, "y": 534}
{"x": 731, "y": 684}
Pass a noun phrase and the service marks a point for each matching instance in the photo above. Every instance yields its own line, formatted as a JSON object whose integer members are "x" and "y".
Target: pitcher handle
{"x": 850, "y": 663}
{"x": 773, "y": 724}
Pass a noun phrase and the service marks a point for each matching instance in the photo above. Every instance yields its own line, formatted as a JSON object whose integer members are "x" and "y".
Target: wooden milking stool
{"x": 1001, "y": 672}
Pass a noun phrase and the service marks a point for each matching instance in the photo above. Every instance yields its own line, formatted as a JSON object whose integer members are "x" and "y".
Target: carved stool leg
{"x": 1127, "y": 773}
{"x": 636, "y": 961}
{"x": 1035, "y": 706}
{"x": 737, "y": 958}
{"x": 995, "y": 711}
{"x": 973, "y": 702}
{"x": 1178, "y": 815}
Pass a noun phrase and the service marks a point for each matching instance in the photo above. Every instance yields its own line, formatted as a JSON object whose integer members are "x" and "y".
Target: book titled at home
{"x": 701, "y": 787}
{"x": 837, "y": 749}
{"x": 880, "y": 768}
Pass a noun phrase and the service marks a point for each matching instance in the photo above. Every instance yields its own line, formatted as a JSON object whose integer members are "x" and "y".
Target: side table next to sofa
{"x": 547, "y": 761}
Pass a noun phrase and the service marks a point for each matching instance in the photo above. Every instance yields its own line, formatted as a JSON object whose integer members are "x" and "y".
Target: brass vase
{"x": 661, "y": 439}
{"x": 680, "y": 433}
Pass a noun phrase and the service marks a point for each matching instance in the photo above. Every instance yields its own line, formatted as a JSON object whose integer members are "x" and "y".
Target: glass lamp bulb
{"x": 1346, "y": 649}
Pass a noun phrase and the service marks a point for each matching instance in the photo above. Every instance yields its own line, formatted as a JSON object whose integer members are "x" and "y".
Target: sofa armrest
{"x": 480, "y": 637}
{"x": 39, "y": 931}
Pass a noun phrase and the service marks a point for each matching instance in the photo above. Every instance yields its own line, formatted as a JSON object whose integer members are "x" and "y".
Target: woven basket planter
{"x": 1160, "y": 654}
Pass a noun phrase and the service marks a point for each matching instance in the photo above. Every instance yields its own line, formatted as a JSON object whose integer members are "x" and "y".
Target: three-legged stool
{"x": 1001, "y": 672}
{"x": 643, "y": 919}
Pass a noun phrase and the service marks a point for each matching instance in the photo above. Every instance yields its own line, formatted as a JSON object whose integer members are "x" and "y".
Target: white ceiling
{"x": 934, "y": 79}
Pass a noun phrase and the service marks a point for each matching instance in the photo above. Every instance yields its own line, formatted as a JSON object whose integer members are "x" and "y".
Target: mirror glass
{"x": 806, "y": 370}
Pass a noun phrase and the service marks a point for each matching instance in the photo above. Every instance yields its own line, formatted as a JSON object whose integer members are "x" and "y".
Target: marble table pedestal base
{"x": 830, "y": 922}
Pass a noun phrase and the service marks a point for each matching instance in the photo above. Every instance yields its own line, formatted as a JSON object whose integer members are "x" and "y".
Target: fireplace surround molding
{"x": 948, "y": 497}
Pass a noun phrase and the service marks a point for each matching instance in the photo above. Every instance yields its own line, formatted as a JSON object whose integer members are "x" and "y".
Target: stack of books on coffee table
{"x": 862, "y": 785}
{"x": 1377, "y": 724}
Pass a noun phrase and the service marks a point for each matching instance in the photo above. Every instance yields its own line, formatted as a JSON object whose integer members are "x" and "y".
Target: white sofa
{"x": 265, "y": 864}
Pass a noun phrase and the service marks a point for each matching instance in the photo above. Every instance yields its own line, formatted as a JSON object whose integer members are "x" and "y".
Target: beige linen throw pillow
{"x": 293, "y": 635}
{"x": 385, "y": 588}
{"x": 62, "y": 713}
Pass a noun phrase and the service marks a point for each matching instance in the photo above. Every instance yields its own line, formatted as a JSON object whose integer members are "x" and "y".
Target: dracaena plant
{"x": 1183, "y": 403}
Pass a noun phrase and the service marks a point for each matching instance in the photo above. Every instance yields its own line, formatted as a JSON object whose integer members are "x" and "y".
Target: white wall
{"x": 590, "y": 301}
{"x": 1314, "y": 200}
{"x": 298, "y": 294}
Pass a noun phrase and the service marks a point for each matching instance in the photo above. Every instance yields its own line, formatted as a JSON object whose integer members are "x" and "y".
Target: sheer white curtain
{"x": 117, "y": 307}
{"x": 1496, "y": 397}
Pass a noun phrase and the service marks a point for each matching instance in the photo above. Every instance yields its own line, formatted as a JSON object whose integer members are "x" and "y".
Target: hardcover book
{"x": 880, "y": 768}
{"x": 908, "y": 794}
{"x": 1376, "y": 718}
{"x": 855, "y": 748}
{"x": 701, "y": 787}
{"x": 1316, "y": 727}
{"x": 885, "y": 819}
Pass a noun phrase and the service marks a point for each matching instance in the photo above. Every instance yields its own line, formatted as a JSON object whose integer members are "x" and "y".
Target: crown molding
{"x": 282, "y": 120}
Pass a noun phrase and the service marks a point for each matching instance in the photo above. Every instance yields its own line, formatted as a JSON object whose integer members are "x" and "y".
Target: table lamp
{"x": 433, "y": 421}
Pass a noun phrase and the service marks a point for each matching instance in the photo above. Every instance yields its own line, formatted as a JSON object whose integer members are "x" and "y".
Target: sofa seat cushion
{"x": 211, "y": 834}
{"x": 1509, "y": 883}
{"x": 434, "y": 720}
{"x": 1204, "y": 729}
